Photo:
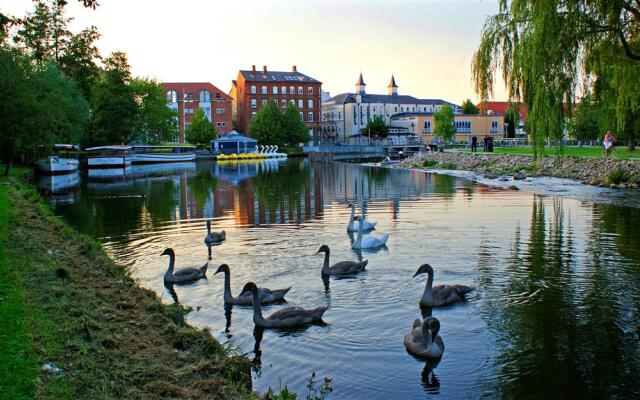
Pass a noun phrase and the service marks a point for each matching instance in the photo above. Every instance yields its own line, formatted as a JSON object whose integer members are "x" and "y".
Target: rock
{"x": 613, "y": 186}
{"x": 514, "y": 187}
{"x": 503, "y": 179}
{"x": 519, "y": 177}
{"x": 51, "y": 369}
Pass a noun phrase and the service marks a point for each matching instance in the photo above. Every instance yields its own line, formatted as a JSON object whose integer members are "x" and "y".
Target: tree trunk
{"x": 8, "y": 167}
{"x": 631, "y": 142}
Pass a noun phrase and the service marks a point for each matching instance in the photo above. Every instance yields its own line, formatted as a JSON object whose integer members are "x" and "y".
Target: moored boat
{"x": 62, "y": 160}
{"x": 109, "y": 157}
{"x": 146, "y": 154}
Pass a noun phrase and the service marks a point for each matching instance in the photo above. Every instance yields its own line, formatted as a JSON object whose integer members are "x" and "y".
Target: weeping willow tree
{"x": 546, "y": 49}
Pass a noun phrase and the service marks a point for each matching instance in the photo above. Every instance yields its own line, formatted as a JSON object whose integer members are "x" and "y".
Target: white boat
{"x": 62, "y": 160}
{"x": 109, "y": 157}
{"x": 144, "y": 154}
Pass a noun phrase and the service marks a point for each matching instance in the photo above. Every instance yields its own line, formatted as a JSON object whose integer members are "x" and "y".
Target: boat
{"x": 145, "y": 154}
{"x": 109, "y": 157}
{"x": 62, "y": 160}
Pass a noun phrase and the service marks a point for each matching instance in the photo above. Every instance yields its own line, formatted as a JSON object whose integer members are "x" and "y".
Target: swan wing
{"x": 347, "y": 267}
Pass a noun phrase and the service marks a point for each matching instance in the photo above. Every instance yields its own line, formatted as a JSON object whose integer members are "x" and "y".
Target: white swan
{"x": 369, "y": 241}
{"x": 423, "y": 339}
{"x": 353, "y": 225}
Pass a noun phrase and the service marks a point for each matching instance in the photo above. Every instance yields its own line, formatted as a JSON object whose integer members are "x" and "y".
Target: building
{"x": 253, "y": 89}
{"x": 500, "y": 108}
{"x": 467, "y": 125}
{"x": 185, "y": 97}
{"x": 345, "y": 115}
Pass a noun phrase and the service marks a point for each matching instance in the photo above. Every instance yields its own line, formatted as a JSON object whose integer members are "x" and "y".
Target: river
{"x": 555, "y": 314}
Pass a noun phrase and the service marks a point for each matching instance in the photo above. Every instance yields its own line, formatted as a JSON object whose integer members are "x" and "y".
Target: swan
{"x": 368, "y": 242}
{"x": 214, "y": 237}
{"x": 342, "y": 267}
{"x": 353, "y": 225}
{"x": 442, "y": 294}
{"x": 287, "y": 317}
{"x": 266, "y": 295}
{"x": 423, "y": 339}
{"x": 182, "y": 275}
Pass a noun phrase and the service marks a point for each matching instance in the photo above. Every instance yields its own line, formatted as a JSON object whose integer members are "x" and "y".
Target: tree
{"x": 377, "y": 128}
{"x": 44, "y": 32}
{"x": 469, "y": 108}
{"x": 544, "y": 47}
{"x": 200, "y": 132}
{"x": 80, "y": 58}
{"x": 512, "y": 120}
{"x": 294, "y": 129}
{"x": 267, "y": 127}
{"x": 444, "y": 121}
{"x": 156, "y": 122}
{"x": 584, "y": 123}
{"x": 115, "y": 111}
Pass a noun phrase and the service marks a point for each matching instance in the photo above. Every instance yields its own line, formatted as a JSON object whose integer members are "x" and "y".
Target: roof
{"x": 108, "y": 148}
{"x": 393, "y": 82}
{"x": 501, "y": 107}
{"x": 361, "y": 81}
{"x": 276, "y": 76}
{"x": 417, "y": 114}
{"x": 148, "y": 146}
{"x": 68, "y": 147}
{"x": 345, "y": 98}
{"x": 234, "y": 137}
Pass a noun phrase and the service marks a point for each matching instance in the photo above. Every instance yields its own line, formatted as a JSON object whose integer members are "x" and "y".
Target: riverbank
{"x": 75, "y": 325}
{"x": 592, "y": 171}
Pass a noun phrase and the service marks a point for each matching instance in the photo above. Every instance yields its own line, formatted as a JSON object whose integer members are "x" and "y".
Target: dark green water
{"x": 555, "y": 315}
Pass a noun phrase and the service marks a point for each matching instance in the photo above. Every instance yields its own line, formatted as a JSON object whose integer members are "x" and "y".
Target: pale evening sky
{"x": 427, "y": 44}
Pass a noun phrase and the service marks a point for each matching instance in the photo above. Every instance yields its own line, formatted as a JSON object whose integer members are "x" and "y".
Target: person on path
{"x": 608, "y": 143}
{"x": 474, "y": 144}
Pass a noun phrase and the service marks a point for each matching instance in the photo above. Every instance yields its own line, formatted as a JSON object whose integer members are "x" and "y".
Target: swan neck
{"x": 257, "y": 310}
{"x": 325, "y": 266}
{"x": 228, "y": 297}
{"x": 172, "y": 262}
{"x": 360, "y": 230}
{"x": 426, "y": 295}
{"x": 208, "y": 228}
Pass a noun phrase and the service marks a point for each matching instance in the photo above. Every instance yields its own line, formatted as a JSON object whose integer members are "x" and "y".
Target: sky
{"x": 428, "y": 45}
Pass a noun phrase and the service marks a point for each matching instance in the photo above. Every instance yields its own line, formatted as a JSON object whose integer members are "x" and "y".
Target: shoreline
{"x": 80, "y": 327}
{"x": 603, "y": 172}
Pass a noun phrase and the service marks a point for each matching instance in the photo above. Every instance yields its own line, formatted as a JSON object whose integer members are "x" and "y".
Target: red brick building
{"x": 253, "y": 89}
{"x": 187, "y": 96}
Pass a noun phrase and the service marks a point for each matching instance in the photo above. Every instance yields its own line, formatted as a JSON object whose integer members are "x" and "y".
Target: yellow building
{"x": 422, "y": 124}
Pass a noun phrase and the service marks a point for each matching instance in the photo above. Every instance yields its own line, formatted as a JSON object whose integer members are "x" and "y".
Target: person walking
{"x": 474, "y": 144}
{"x": 608, "y": 143}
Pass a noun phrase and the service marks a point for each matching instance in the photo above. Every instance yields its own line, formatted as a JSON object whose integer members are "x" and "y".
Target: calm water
{"x": 555, "y": 314}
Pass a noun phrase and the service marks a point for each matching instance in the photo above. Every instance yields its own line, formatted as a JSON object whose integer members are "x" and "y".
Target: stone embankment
{"x": 589, "y": 170}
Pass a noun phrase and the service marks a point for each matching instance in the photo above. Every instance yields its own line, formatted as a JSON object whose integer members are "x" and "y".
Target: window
{"x": 292, "y": 90}
{"x": 264, "y": 90}
{"x": 310, "y": 90}
{"x": 218, "y": 124}
{"x": 275, "y": 90}
{"x": 339, "y": 117}
{"x": 254, "y": 103}
{"x": 310, "y": 117}
{"x": 293, "y": 102}
{"x": 172, "y": 96}
{"x": 310, "y": 103}
{"x": 494, "y": 126}
{"x": 188, "y": 96}
{"x": 224, "y": 123}
{"x": 220, "y": 111}
{"x": 283, "y": 90}
{"x": 283, "y": 103}
{"x": 205, "y": 96}
{"x": 218, "y": 95}
{"x": 253, "y": 90}
{"x": 264, "y": 102}
{"x": 427, "y": 126}
{"x": 463, "y": 126}
{"x": 302, "y": 116}
{"x": 300, "y": 90}
{"x": 300, "y": 103}
{"x": 253, "y": 115}
{"x": 396, "y": 110}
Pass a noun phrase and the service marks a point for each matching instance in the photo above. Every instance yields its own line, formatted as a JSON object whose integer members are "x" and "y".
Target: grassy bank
{"x": 64, "y": 303}
{"x": 618, "y": 152}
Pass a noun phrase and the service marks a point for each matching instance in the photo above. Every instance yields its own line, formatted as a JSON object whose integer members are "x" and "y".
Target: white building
{"x": 345, "y": 115}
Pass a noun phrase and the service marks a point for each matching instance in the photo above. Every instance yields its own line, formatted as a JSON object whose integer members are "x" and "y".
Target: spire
{"x": 360, "y": 85}
{"x": 393, "y": 88}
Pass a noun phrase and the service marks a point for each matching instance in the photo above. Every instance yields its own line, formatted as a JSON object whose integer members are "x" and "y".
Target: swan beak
{"x": 416, "y": 274}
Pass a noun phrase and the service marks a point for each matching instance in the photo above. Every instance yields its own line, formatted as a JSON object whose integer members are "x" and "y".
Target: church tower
{"x": 360, "y": 86}
{"x": 393, "y": 88}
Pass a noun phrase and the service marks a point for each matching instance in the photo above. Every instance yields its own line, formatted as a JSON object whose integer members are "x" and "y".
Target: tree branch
{"x": 627, "y": 50}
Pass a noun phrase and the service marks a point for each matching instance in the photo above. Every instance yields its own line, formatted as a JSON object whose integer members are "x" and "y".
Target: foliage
{"x": 156, "y": 122}
{"x": 512, "y": 120}
{"x": 282, "y": 128}
{"x": 314, "y": 392}
{"x": 429, "y": 163}
{"x": 376, "y": 127}
{"x": 544, "y": 47}
{"x": 80, "y": 58}
{"x": 469, "y": 108}
{"x": 583, "y": 125}
{"x": 448, "y": 165}
{"x": 444, "y": 123}
{"x": 617, "y": 176}
{"x": 200, "y": 132}
{"x": 115, "y": 118}
{"x": 44, "y": 32}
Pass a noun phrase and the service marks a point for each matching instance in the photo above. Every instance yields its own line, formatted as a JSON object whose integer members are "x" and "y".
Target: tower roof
{"x": 360, "y": 80}
{"x": 393, "y": 82}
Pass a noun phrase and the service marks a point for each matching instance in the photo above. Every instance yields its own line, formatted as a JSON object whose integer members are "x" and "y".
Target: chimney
{"x": 294, "y": 69}
{"x": 264, "y": 69}
{"x": 253, "y": 68}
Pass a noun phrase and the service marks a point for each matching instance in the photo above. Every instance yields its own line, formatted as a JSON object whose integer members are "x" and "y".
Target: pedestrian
{"x": 608, "y": 143}
{"x": 474, "y": 144}
{"x": 485, "y": 143}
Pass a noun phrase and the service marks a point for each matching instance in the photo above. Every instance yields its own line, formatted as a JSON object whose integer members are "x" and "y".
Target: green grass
{"x": 618, "y": 152}
{"x": 18, "y": 361}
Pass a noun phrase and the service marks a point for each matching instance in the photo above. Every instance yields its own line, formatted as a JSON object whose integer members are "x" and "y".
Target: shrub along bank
{"x": 73, "y": 324}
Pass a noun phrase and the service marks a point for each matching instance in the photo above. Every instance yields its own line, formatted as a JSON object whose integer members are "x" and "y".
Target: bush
{"x": 448, "y": 165}
{"x": 429, "y": 163}
{"x": 618, "y": 176}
